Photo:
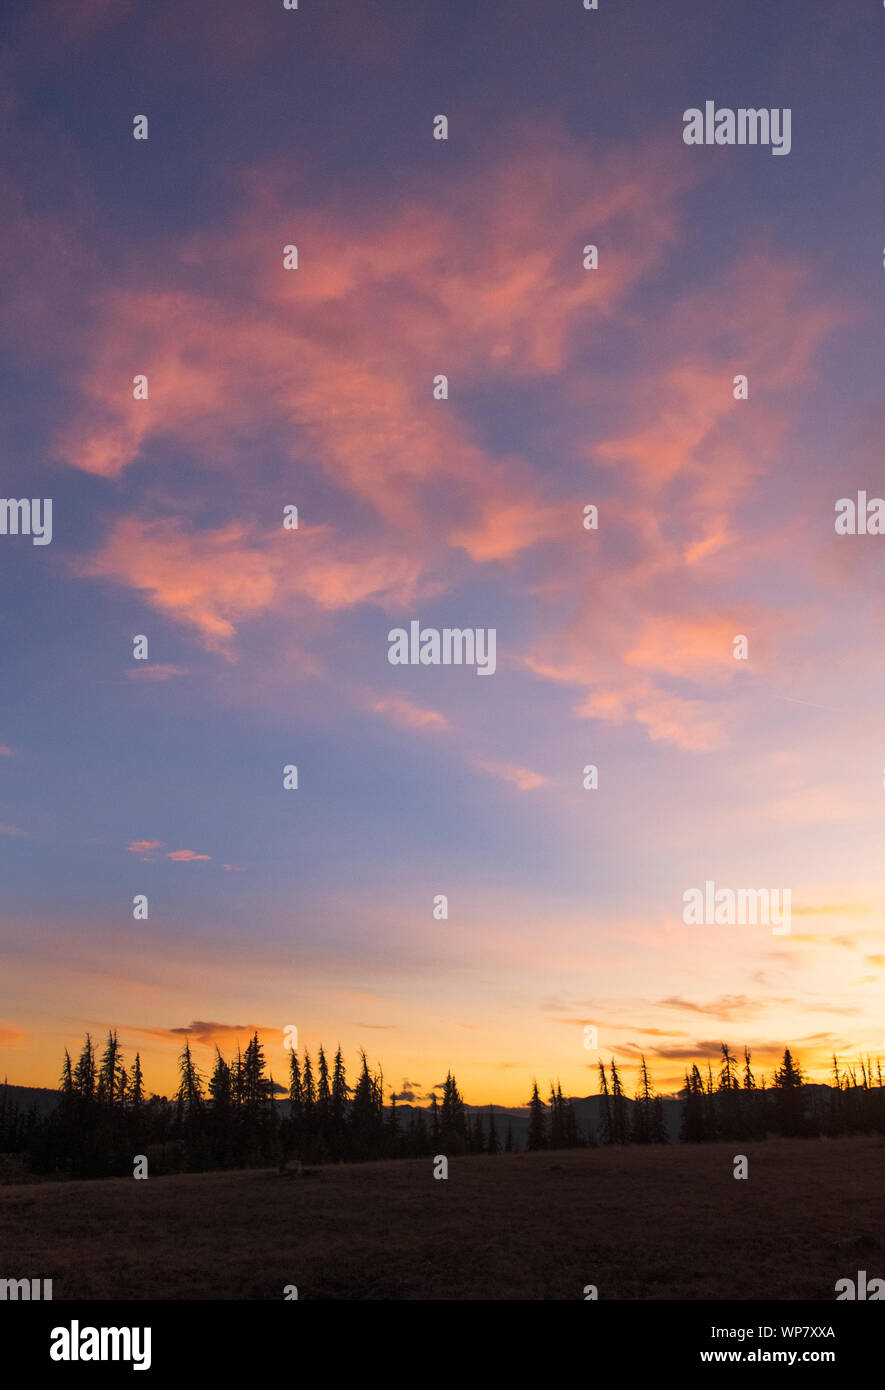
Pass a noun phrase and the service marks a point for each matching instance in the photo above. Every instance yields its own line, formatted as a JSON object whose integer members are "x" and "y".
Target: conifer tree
{"x": 620, "y": 1124}
{"x": 789, "y": 1103}
{"x": 221, "y": 1084}
{"x": 256, "y": 1086}
{"x": 556, "y": 1138}
{"x": 606, "y": 1119}
{"x": 190, "y": 1089}
{"x": 308, "y": 1089}
{"x": 366, "y": 1114}
{"x": 729, "y": 1119}
{"x": 324, "y": 1096}
{"x": 84, "y": 1071}
{"x": 296, "y": 1093}
{"x": 694, "y": 1115}
{"x": 109, "y": 1071}
{"x": 537, "y": 1135}
{"x": 340, "y": 1093}
{"x": 66, "y": 1081}
{"x": 643, "y": 1107}
{"x": 452, "y": 1116}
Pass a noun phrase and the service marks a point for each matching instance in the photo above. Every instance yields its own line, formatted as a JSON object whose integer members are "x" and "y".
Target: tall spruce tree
{"x": 620, "y": 1121}
{"x": 789, "y": 1100}
{"x": 537, "y": 1135}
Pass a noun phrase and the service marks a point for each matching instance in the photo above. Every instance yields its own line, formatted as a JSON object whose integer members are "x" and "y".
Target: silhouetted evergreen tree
{"x": 620, "y": 1124}
{"x": 84, "y": 1071}
{"x": 606, "y": 1121}
{"x": 642, "y": 1119}
{"x": 338, "y": 1104}
{"x": 730, "y": 1120}
{"x": 366, "y": 1114}
{"x": 106, "y": 1087}
{"x": 693, "y": 1129}
{"x": 537, "y": 1135}
{"x": 789, "y": 1101}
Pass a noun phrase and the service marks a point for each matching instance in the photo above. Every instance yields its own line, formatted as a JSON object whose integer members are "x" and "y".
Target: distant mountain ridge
{"x": 588, "y": 1110}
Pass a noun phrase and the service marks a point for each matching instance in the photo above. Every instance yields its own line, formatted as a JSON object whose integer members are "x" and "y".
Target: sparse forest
{"x": 105, "y": 1116}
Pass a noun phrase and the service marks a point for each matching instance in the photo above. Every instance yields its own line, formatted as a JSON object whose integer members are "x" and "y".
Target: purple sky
{"x": 313, "y": 387}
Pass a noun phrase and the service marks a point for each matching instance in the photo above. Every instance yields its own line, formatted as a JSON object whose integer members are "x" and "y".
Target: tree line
{"x": 232, "y": 1119}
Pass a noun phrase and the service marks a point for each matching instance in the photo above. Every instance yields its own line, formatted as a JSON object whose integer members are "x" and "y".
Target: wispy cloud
{"x": 144, "y": 848}
{"x": 521, "y": 777}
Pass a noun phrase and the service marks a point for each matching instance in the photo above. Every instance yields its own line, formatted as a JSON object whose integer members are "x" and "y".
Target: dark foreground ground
{"x": 637, "y": 1223}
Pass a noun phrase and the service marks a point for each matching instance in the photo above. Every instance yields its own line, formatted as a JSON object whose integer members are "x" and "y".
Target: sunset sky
{"x": 313, "y": 387}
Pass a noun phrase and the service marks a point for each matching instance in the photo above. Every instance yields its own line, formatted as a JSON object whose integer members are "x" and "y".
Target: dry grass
{"x": 637, "y": 1223}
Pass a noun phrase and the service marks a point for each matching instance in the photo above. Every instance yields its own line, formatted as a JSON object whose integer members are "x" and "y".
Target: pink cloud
{"x": 144, "y": 848}
{"x": 404, "y": 712}
{"x": 521, "y": 777}
{"x": 213, "y": 580}
{"x": 186, "y": 856}
{"x": 299, "y": 354}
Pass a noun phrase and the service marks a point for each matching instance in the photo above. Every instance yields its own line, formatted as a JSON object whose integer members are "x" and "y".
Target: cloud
{"x": 408, "y": 714}
{"x": 410, "y": 1091}
{"x": 230, "y": 359}
{"x": 213, "y": 579}
{"x": 723, "y": 1007}
{"x": 650, "y": 635}
{"x": 186, "y": 856}
{"x": 209, "y": 1034}
{"x": 505, "y": 529}
{"x": 10, "y": 1036}
{"x": 13, "y": 831}
{"x": 521, "y": 777}
{"x": 833, "y": 910}
{"x": 821, "y": 939}
{"x": 208, "y": 578}
{"x": 144, "y": 848}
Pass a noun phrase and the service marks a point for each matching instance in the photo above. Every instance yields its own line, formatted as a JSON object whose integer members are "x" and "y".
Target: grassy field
{"x": 637, "y": 1223}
